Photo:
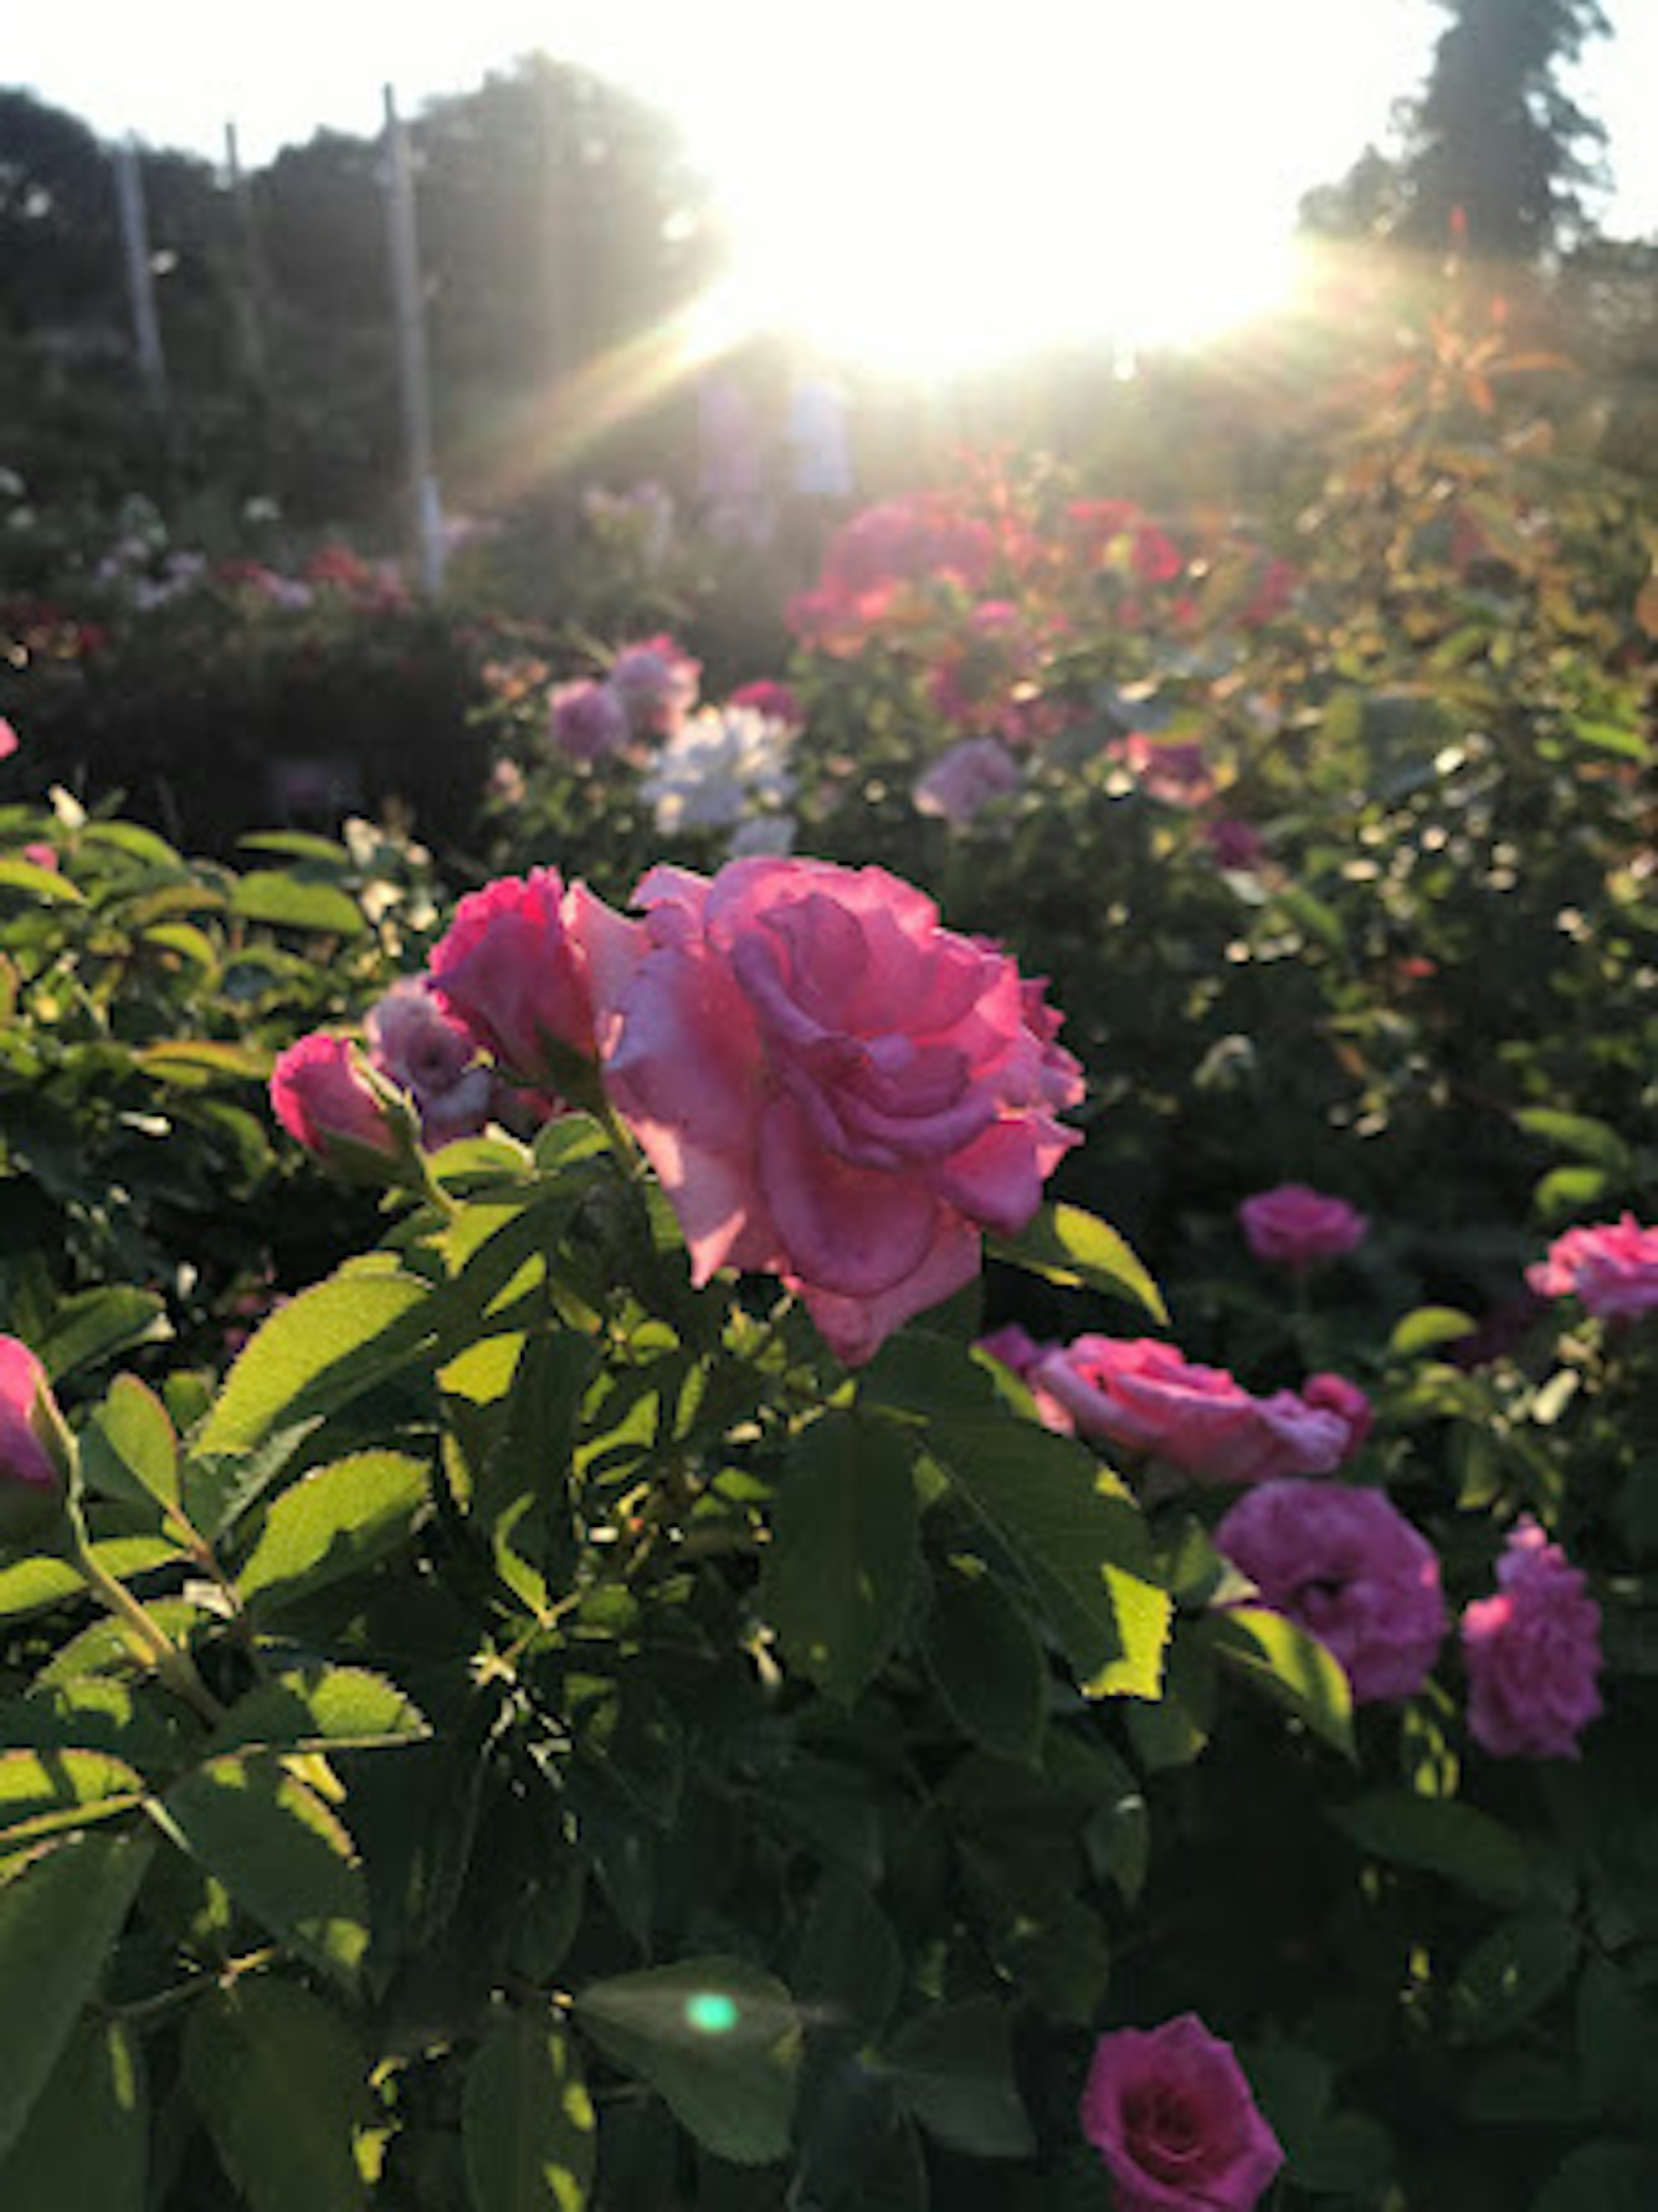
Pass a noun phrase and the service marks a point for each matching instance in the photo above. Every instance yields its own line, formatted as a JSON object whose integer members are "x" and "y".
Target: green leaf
{"x": 321, "y": 1708}
{"x": 270, "y": 896}
{"x": 1565, "y": 1191}
{"x": 1439, "y": 1835}
{"x": 316, "y": 1353}
{"x": 1614, "y": 737}
{"x": 840, "y": 1573}
{"x": 128, "y": 1448}
{"x": 278, "y": 2077}
{"x": 527, "y": 2120}
{"x": 33, "y": 1585}
{"x": 850, "y": 1970}
{"x": 1077, "y": 1540}
{"x": 522, "y": 1495}
{"x": 1511, "y": 1974}
{"x": 987, "y": 1666}
{"x": 193, "y": 1062}
{"x": 38, "y": 1783}
{"x": 1293, "y": 1667}
{"x": 952, "y": 2069}
{"x": 717, "y": 2038}
{"x": 97, "y": 1325}
{"x": 85, "y": 2147}
{"x": 299, "y": 845}
{"x": 57, "y": 889}
{"x": 1601, "y": 2177}
{"x": 1065, "y": 1245}
{"x": 1578, "y": 1133}
{"x": 59, "y": 1920}
{"x": 1426, "y": 1328}
{"x": 280, "y": 1851}
{"x": 334, "y": 1523}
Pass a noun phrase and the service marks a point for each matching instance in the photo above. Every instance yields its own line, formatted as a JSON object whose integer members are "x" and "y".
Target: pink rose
{"x": 1295, "y": 1227}
{"x": 1013, "y": 1348}
{"x": 588, "y": 721}
{"x": 1532, "y": 1653}
{"x": 34, "y": 1446}
{"x": 1236, "y": 846}
{"x": 1171, "y": 2113}
{"x": 1147, "y": 1397}
{"x": 777, "y": 701}
{"x": 425, "y": 1051}
{"x": 1174, "y": 771}
{"x": 1613, "y": 1269}
{"x": 832, "y": 1086}
{"x": 966, "y": 778}
{"x": 656, "y": 683}
{"x": 1334, "y": 1394}
{"x": 43, "y": 856}
{"x": 325, "y": 1095}
{"x": 515, "y": 968}
{"x": 1351, "y": 1571}
{"x": 8, "y": 740}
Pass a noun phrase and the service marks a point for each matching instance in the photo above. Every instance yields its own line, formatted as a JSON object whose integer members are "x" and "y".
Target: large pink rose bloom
{"x": 324, "y": 1093}
{"x": 1171, "y": 2113}
{"x": 1613, "y": 1269}
{"x": 1147, "y": 1396}
{"x": 1296, "y": 1227}
{"x": 832, "y": 1087}
{"x": 1347, "y": 1567}
{"x": 32, "y": 1446}
{"x": 517, "y": 965}
{"x": 1533, "y": 1653}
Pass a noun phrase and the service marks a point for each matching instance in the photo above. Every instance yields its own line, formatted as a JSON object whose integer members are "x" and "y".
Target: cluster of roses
{"x": 832, "y": 1087}
{"x": 1341, "y": 1561}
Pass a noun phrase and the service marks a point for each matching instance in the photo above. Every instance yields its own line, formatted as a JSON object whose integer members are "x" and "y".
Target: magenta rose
{"x": 1532, "y": 1653}
{"x": 416, "y": 1044}
{"x": 1146, "y": 1396}
{"x": 1611, "y": 1269}
{"x": 35, "y": 1451}
{"x": 328, "y": 1097}
{"x": 1295, "y": 1227}
{"x": 1347, "y": 1567}
{"x": 1334, "y": 1394}
{"x": 517, "y": 968}
{"x": 966, "y": 778}
{"x": 832, "y": 1086}
{"x": 587, "y": 721}
{"x": 1016, "y": 1350}
{"x": 1171, "y": 2113}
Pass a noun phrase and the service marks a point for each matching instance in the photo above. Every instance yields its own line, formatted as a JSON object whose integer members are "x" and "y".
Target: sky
{"x": 1151, "y": 150}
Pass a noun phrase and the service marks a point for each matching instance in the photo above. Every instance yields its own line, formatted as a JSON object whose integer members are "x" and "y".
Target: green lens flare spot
{"x": 711, "y": 2013}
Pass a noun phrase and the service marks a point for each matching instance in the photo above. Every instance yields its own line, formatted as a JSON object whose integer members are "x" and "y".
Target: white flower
{"x": 723, "y": 766}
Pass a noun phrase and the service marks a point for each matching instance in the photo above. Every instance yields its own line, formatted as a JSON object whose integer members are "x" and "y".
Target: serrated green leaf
{"x": 33, "y": 1585}
{"x": 840, "y": 1572}
{"x": 334, "y": 1522}
{"x": 33, "y": 1783}
{"x": 280, "y": 1852}
{"x": 270, "y": 896}
{"x": 1064, "y": 1244}
{"x": 321, "y": 1708}
{"x": 952, "y": 2069}
{"x": 59, "y": 1920}
{"x": 527, "y": 2120}
{"x": 128, "y": 1448}
{"x": 1293, "y": 1669}
{"x": 719, "y": 2041}
{"x": 1077, "y": 1540}
{"x": 987, "y": 1666}
{"x": 85, "y": 2147}
{"x": 278, "y": 2077}
{"x": 315, "y": 1354}
{"x": 97, "y": 1325}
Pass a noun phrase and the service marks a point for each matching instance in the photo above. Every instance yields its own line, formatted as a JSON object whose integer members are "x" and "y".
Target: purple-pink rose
{"x": 34, "y": 1446}
{"x": 1296, "y": 1227}
{"x": 422, "y": 1048}
{"x": 1334, "y": 1394}
{"x": 1346, "y": 1566}
{"x": 1171, "y": 2113}
{"x": 657, "y": 682}
{"x": 326, "y": 1096}
{"x": 1532, "y": 1653}
{"x": 1146, "y": 1396}
{"x": 832, "y": 1087}
{"x": 966, "y": 778}
{"x": 515, "y": 968}
{"x": 1612, "y": 1270}
{"x": 1015, "y": 1349}
{"x": 1236, "y": 845}
{"x": 587, "y": 721}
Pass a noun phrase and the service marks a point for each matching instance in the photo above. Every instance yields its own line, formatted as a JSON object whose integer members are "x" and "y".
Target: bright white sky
{"x": 1078, "y": 147}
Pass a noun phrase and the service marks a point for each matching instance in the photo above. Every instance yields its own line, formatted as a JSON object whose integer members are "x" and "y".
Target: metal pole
{"x": 140, "y": 281}
{"x": 426, "y": 499}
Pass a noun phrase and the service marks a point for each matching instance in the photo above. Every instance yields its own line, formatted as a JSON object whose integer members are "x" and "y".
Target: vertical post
{"x": 425, "y": 498}
{"x": 140, "y": 281}
{"x": 250, "y": 287}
